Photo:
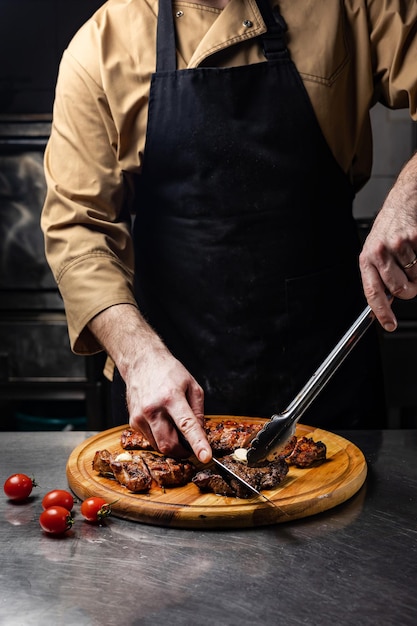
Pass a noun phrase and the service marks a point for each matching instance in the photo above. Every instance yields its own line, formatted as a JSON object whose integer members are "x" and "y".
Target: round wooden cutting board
{"x": 304, "y": 492}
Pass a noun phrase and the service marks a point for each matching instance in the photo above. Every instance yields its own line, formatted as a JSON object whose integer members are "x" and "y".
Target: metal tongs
{"x": 273, "y": 437}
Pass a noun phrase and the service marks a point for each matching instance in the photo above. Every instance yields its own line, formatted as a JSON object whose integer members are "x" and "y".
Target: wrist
{"x": 126, "y": 336}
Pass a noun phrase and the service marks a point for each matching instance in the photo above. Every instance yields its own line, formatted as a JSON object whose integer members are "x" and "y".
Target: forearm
{"x": 125, "y": 335}
{"x": 402, "y": 198}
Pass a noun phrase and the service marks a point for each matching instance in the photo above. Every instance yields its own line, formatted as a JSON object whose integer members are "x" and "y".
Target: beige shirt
{"x": 350, "y": 54}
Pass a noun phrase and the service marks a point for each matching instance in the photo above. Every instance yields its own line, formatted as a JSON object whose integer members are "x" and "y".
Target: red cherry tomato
{"x": 56, "y": 520}
{"x": 18, "y": 487}
{"x": 58, "y": 497}
{"x": 95, "y": 509}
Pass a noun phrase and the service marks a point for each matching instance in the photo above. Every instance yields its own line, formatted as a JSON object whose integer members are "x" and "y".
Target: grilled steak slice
{"x": 289, "y": 447}
{"x": 134, "y": 475}
{"x": 101, "y": 463}
{"x": 134, "y": 440}
{"x": 208, "y": 480}
{"x": 307, "y": 453}
{"x": 266, "y": 476}
{"x": 221, "y": 485}
{"x": 168, "y": 472}
{"x": 304, "y": 452}
{"x": 224, "y": 437}
{"x": 131, "y": 473}
{"x": 228, "y": 435}
{"x": 139, "y": 471}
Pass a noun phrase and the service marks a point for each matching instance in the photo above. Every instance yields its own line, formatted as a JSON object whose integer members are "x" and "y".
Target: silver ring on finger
{"x": 411, "y": 264}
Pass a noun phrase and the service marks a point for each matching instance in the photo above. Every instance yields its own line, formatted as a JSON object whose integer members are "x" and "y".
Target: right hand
{"x": 391, "y": 246}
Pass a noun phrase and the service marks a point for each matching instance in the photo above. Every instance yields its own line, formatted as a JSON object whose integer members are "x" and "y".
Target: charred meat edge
{"x": 143, "y": 470}
{"x": 224, "y": 436}
{"x": 304, "y": 452}
{"x": 267, "y": 475}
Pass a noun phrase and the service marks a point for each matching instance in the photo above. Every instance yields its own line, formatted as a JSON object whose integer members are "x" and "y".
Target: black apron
{"x": 246, "y": 248}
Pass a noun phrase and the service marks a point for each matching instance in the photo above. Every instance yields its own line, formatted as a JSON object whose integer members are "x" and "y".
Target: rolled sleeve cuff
{"x": 89, "y": 285}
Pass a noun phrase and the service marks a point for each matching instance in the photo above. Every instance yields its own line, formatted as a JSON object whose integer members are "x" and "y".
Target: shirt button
{"x": 179, "y": 13}
{"x": 247, "y": 24}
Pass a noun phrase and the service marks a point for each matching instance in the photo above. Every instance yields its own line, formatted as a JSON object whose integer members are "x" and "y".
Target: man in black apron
{"x": 246, "y": 248}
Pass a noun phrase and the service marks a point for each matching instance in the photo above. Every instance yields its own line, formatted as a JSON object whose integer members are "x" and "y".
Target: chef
{"x": 201, "y": 169}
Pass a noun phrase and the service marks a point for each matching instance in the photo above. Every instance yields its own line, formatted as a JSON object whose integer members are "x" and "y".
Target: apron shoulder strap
{"x": 273, "y": 41}
{"x": 166, "y": 59}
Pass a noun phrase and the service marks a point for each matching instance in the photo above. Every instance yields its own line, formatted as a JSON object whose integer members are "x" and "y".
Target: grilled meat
{"x": 224, "y": 436}
{"x": 167, "y": 472}
{"x": 128, "y": 470}
{"x": 209, "y": 480}
{"x": 307, "y": 453}
{"x": 134, "y": 440}
{"x": 228, "y": 435}
{"x": 134, "y": 474}
{"x": 289, "y": 447}
{"x": 138, "y": 472}
{"x": 267, "y": 475}
{"x": 213, "y": 481}
{"x": 101, "y": 463}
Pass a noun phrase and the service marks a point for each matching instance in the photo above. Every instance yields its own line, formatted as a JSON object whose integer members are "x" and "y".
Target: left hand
{"x": 388, "y": 255}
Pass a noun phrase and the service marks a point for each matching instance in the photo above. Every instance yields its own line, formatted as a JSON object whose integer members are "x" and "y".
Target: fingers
{"x": 175, "y": 435}
{"x": 167, "y": 438}
{"x": 173, "y": 423}
{"x": 375, "y": 293}
{"x": 408, "y": 265}
{"x": 191, "y": 430}
{"x": 388, "y": 272}
{"x": 179, "y": 430}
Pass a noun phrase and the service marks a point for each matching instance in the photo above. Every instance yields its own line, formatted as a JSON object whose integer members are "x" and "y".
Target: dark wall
{"x": 33, "y": 35}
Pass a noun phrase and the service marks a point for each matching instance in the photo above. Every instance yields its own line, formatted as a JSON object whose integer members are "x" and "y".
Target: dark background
{"x": 33, "y": 35}
{"x": 43, "y": 386}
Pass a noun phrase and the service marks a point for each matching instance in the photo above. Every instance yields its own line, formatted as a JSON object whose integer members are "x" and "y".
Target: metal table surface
{"x": 354, "y": 564}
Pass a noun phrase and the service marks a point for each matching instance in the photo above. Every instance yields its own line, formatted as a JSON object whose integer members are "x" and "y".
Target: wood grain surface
{"x": 303, "y": 492}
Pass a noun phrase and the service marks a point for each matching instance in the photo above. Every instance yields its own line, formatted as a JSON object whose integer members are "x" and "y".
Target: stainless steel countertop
{"x": 353, "y": 565}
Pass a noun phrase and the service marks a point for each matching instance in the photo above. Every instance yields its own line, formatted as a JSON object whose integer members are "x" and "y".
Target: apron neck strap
{"x": 166, "y": 54}
{"x": 273, "y": 40}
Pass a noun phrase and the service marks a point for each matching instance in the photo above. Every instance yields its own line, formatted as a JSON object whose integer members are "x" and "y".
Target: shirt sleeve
{"x": 85, "y": 218}
{"x": 393, "y": 36}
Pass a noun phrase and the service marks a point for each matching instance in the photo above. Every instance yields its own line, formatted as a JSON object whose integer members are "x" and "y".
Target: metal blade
{"x": 242, "y": 481}
{"x": 228, "y": 471}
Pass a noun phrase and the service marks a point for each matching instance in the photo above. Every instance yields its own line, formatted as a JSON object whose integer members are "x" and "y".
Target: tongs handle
{"x": 277, "y": 431}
